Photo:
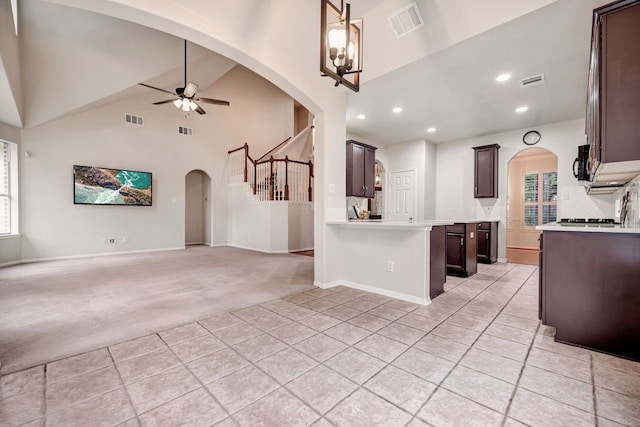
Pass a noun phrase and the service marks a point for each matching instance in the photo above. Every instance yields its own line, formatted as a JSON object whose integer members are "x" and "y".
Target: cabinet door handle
{"x": 487, "y": 236}
{"x": 476, "y": 189}
{"x": 462, "y": 241}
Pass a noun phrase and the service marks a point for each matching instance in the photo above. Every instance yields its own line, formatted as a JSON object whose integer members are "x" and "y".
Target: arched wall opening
{"x": 532, "y": 197}
{"x": 197, "y": 211}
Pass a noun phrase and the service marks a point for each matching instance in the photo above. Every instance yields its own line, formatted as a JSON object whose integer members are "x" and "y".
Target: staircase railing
{"x": 272, "y": 179}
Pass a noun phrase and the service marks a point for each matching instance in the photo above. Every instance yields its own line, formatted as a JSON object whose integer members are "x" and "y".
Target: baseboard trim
{"x": 256, "y": 249}
{"x": 374, "y": 290}
{"x": 27, "y": 261}
{"x": 301, "y": 250}
{"x": 10, "y": 263}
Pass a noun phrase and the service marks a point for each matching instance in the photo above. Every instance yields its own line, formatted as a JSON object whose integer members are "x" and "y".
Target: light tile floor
{"x": 476, "y": 356}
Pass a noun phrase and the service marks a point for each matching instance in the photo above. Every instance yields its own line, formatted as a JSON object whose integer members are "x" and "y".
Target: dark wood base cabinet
{"x": 590, "y": 290}
{"x": 438, "y": 262}
{"x": 462, "y": 249}
{"x": 487, "y": 242}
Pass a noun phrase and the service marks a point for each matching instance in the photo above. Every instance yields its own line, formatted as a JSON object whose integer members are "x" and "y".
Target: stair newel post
{"x": 246, "y": 159}
{"x": 271, "y": 183}
{"x": 255, "y": 178}
{"x": 310, "y": 176}
{"x": 286, "y": 177}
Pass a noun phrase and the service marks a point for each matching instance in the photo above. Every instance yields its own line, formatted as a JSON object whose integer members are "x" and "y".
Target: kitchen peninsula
{"x": 590, "y": 286}
{"x": 402, "y": 260}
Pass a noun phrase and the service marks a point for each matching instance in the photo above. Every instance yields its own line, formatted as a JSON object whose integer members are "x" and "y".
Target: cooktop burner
{"x": 588, "y": 221}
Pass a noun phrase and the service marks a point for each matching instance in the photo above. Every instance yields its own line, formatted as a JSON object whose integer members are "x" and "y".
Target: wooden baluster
{"x": 286, "y": 177}
{"x": 310, "y": 176}
{"x": 271, "y": 183}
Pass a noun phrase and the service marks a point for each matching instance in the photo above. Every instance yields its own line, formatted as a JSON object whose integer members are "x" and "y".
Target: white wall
{"x": 300, "y": 226}
{"x": 274, "y": 227}
{"x": 454, "y": 180}
{"x": 55, "y": 227}
{"x": 430, "y": 176}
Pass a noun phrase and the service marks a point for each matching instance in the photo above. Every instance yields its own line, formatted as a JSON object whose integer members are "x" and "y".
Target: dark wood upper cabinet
{"x": 361, "y": 169}
{"x": 613, "y": 108}
{"x": 485, "y": 171}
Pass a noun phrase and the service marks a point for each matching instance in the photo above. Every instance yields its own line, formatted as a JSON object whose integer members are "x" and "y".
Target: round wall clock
{"x": 531, "y": 138}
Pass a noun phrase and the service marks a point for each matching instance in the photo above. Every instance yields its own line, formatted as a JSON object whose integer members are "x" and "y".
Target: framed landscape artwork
{"x": 102, "y": 186}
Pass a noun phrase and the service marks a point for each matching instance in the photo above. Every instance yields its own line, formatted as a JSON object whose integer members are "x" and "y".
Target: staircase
{"x": 274, "y": 179}
{"x": 270, "y": 200}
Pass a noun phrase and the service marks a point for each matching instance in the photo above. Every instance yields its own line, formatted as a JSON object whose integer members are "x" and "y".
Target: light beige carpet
{"x": 51, "y": 310}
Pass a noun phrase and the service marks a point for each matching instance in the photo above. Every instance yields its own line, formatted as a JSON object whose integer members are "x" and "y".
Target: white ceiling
{"x": 442, "y": 74}
{"x": 454, "y": 89}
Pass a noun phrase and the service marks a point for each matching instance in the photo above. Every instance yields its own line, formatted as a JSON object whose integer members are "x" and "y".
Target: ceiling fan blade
{"x": 213, "y": 101}
{"x": 190, "y": 89}
{"x": 156, "y": 88}
{"x": 163, "y": 102}
{"x": 200, "y": 110}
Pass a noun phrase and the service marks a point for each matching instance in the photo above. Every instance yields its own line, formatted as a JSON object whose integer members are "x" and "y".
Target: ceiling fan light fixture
{"x": 178, "y": 103}
{"x": 193, "y": 105}
{"x": 185, "y": 105}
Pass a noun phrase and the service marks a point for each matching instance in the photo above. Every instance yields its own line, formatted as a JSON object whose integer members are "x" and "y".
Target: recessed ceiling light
{"x": 503, "y": 77}
{"x": 397, "y": 110}
{"x": 361, "y": 117}
{"x": 430, "y": 130}
{"x": 522, "y": 109}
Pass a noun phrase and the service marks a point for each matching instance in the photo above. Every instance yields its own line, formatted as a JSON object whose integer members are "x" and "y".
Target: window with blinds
{"x": 5, "y": 186}
{"x": 540, "y": 201}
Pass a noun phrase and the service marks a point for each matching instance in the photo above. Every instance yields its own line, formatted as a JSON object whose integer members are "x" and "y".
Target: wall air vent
{"x": 406, "y": 20}
{"x": 134, "y": 120}
{"x": 538, "y": 79}
{"x": 185, "y": 131}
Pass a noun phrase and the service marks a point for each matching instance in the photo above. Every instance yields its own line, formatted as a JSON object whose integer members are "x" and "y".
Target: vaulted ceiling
{"x": 442, "y": 74}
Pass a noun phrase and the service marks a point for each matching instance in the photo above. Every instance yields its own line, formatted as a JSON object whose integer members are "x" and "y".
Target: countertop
{"x": 389, "y": 225}
{"x": 588, "y": 228}
{"x": 470, "y": 221}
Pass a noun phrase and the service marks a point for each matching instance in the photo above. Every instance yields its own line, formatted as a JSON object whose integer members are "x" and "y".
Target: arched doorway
{"x": 197, "y": 218}
{"x": 532, "y": 200}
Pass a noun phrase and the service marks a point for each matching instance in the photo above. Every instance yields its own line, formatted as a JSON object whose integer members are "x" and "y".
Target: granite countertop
{"x": 583, "y": 228}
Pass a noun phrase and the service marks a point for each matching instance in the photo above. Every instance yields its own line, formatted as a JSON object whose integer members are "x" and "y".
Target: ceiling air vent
{"x": 538, "y": 79}
{"x": 133, "y": 119}
{"x": 185, "y": 130}
{"x": 406, "y": 20}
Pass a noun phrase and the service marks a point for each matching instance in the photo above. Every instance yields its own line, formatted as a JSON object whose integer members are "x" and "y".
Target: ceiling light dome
{"x": 397, "y": 110}
{"x": 503, "y": 77}
{"x": 522, "y": 109}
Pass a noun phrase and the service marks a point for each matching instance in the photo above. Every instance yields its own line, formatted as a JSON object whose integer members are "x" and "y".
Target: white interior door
{"x": 402, "y": 191}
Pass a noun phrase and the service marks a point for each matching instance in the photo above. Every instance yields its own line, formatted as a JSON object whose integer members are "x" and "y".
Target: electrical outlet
{"x": 390, "y": 266}
{"x": 125, "y": 239}
{"x": 112, "y": 240}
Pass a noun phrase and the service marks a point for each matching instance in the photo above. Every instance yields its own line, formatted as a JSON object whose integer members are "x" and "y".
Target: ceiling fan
{"x": 186, "y": 98}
